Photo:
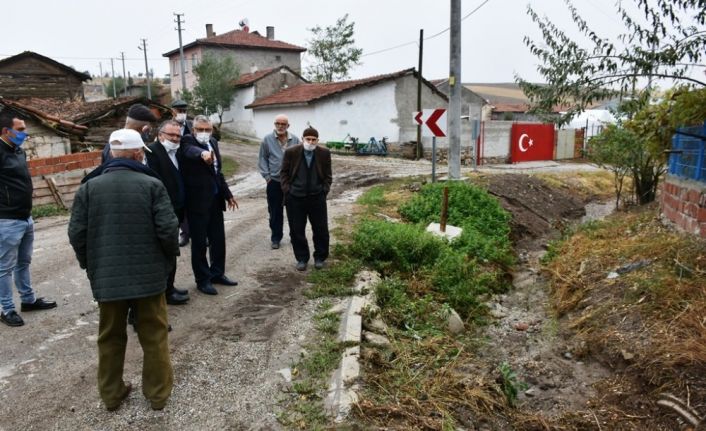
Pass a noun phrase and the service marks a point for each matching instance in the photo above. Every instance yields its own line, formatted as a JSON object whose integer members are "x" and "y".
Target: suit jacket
{"x": 158, "y": 160}
{"x": 200, "y": 179}
{"x": 293, "y": 156}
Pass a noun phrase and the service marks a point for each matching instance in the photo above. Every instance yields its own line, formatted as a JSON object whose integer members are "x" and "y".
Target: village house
{"x": 29, "y": 74}
{"x": 250, "y": 51}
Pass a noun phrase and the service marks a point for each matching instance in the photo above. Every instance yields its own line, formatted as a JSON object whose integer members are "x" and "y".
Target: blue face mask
{"x": 19, "y": 137}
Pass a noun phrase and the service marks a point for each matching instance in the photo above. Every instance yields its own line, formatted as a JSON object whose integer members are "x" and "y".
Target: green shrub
{"x": 402, "y": 310}
{"x": 395, "y": 247}
{"x": 48, "y": 210}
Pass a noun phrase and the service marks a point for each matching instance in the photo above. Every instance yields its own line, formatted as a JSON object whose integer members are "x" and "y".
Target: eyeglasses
{"x": 281, "y": 124}
{"x": 203, "y": 129}
{"x": 172, "y": 135}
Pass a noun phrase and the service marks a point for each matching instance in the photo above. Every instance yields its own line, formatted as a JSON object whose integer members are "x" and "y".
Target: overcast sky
{"x": 84, "y": 33}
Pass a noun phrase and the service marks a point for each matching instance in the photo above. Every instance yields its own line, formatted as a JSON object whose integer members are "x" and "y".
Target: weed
{"x": 509, "y": 383}
{"x": 375, "y": 196}
{"x": 229, "y": 166}
{"x": 48, "y": 210}
{"x": 327, "y": 323}
{"x": 335, "y": 280}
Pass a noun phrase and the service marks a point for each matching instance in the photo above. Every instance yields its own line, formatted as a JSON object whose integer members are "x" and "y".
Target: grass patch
{"x": 48, "y": 210}
{"x": 229, "y": 167}
{"x": 334, "y": 280}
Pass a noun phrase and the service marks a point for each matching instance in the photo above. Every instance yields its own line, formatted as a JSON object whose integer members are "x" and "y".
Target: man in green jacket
{"x": 125, "y": 234}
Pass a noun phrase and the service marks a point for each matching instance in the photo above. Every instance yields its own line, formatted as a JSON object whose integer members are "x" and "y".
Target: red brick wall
{"x": 68, "y": 162}
{"x": 684, "y": 203}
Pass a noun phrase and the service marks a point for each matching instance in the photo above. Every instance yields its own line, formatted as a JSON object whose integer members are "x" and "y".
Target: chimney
{"x": 209, "y": 30}
{"x": 270, "y": 32}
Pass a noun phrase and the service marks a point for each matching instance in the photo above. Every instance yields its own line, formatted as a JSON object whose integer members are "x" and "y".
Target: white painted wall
{"x": 239, "y": 120}
{"x": 363, "y": 113}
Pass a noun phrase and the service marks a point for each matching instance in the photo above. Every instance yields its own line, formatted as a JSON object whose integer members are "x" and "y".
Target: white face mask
{"x": 203, "y": 137}
{"x": 309, "y": 147}
{"x": 180, "y": 117}
{"x": 169, "y": 145}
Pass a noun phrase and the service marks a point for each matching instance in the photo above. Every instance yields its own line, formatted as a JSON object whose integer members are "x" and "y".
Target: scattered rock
{"x": 568, "y": 355}
{"x": 627, "y": 355}
{"x": 611, "y": 275}
{"x": 376, "y": 339}
{"x": 498, "y": 311}
{"x": 375, "y": 325}
{"x": 521, "y": 326}
{"x": 286, "y": 373}
{"x": 530, "y": 392}
{"x": 388, "y": 218}
{"x": 454, "y": 322}
{"x": 633, "y": 266}
{"x": 415, "y": 187}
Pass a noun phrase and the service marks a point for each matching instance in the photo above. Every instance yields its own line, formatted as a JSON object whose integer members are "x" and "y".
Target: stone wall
{"x": 683, "y": 202}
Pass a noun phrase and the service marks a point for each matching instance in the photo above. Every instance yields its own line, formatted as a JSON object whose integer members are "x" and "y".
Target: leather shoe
{"x": 207, "y": 288}
{"x": 183, "y": 240}
{"x": 301, "y": 266}
{"x": 224, "y": 281}
{"x": 38, "y": 304}
{"x": 128, "y": 388}
{"x": 275, "y": 245}
{"x": 11, "y": 318}
{"x": 318, "y": 264}
{"x": 181, "y": 291}
{"x": 174, "y": 298}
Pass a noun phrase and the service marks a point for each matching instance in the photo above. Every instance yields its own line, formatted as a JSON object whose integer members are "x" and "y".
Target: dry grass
{"x": 589, "y": 185}
{"x": 651, "y": 319}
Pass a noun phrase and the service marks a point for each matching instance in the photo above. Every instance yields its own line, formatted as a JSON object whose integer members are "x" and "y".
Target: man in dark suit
{"x": 306, "y": 180}
{"x": 179, "y": 114}
{"x": 207, "y": 196}
{"x": 139, "y": 118}
{"x": 163, "y": 160}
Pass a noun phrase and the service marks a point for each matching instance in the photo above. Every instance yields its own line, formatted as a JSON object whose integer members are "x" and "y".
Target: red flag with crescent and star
{"x": 530, "y": 142}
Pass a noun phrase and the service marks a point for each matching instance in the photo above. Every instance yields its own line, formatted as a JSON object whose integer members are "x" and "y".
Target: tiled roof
{"x": 75, "y": 110}
{"x": 249, "y": 78}
{"x": 48, "y": 119}
{"x": 510, "y": 107}
{"x": 306, "y": 93}
{"x": 241, "y": 39}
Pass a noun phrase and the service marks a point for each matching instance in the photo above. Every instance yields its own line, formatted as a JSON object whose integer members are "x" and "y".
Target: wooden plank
{"x": 55, "y": 191}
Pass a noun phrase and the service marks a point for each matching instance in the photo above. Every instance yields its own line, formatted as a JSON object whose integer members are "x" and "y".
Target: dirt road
{"x": 226, "y": 350}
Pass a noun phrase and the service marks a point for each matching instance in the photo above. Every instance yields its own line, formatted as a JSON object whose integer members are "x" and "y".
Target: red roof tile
{"x": 241, "y": 39}
{"x": 306, "y": 93}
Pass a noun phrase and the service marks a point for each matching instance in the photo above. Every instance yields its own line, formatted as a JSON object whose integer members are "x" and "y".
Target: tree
{"x": 119, "y": 86}
{"x": 334, "y": 51}
{"x": 664, "y": 41}
{"x": 215, "y": 88}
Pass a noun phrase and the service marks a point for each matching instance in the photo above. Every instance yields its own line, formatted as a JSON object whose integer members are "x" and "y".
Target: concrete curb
{"x": 343, "y": 386}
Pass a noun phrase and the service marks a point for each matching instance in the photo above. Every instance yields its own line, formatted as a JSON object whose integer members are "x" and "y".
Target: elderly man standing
{"x": 306, "y": 180}
{"x": 269, "y": 162}
{"x": 140, "y": 119}
{"x": 207, "y": 195}
{"x": 16, "y": 224}
{"x": 124, "y": 232}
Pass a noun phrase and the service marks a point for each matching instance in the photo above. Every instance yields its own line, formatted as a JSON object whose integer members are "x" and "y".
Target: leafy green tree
{"x": 119, "y": 86}
{"x": 662, "y": 39}
{"x": 334, "y": 51}
{"x": 215, "y": 88}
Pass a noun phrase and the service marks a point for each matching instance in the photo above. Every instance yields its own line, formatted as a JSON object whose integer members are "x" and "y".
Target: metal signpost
{"x": 433, "y": 122}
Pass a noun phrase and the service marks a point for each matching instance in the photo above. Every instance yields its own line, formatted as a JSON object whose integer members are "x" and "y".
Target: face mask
{"x": 203, "y": 137}
{"x": 19, "y": 137}
{"x": 180, "y": 117}
{"x": 309, "y": 147}
{"x": 169, "y": 145}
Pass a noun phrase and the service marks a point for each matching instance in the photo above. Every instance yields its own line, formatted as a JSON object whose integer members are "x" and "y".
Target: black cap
{"x": 179, "y": 104}
{"x": 141, "y": 113}
{"x": 310, "y": 131}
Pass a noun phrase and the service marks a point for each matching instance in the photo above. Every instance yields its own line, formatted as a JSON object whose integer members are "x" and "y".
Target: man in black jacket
{"x": 163, "y": 159}
{"x": 306, "y": 180}
{"x": 16, "y": 224}
{"x": 139, "y": 118}
{"x": 207, "y": 195}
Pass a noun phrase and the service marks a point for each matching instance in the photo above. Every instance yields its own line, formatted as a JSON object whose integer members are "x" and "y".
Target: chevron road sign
{"x": 433, "y": 120}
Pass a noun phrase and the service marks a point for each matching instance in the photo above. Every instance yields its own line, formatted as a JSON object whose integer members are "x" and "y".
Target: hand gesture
{"x": 232, "y": 204}
{"x": 207, "y": 156}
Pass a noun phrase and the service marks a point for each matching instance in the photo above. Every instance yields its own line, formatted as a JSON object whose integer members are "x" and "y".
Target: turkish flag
{"x": 531, "y": 142}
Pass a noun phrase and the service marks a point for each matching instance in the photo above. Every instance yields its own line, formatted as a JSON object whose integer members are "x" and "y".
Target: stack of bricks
{"x": 684, "y": 204}
{"x": 63, "y": 164}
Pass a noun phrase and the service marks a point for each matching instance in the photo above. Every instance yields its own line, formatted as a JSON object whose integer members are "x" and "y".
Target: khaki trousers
{"x": 157, "y": 377}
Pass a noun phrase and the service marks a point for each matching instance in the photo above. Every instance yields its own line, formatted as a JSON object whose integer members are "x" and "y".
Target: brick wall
{"x": 683, "y": 202}
{"x": 68, "y": 162}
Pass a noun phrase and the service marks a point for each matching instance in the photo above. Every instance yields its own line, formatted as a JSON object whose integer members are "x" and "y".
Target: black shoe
{"x": 181, "y": 291}
{"x": 301, "y": 266}
{"x": 183, "y": 240}
{"x": 275, "y": 245}
{"x": 174, "y": 298}
{"x": 11, "y": 318}
{"x": 224, "y": 281}
{"x": 38, "y": 304}
{"x": 318, "y": 264}
{"x": 207, "y": 288}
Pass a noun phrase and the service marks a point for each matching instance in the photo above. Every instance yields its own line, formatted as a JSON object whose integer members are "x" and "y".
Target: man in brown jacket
{"x": 306, "y": 180}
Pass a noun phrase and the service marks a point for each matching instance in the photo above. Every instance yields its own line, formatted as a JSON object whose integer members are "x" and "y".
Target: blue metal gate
{"x": 686, "y": 158}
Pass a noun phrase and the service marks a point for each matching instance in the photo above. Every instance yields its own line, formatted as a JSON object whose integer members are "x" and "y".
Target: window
{"x": 194, "y": 61}
{"x": 278, "y": 58}
{"x": 175, "y": 71}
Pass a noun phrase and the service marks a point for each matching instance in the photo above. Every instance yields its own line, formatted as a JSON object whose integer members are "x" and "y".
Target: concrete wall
{"x": 44, "y": 142}
{"x": 247, "y": 61}
{"x": 237, "y": 119}
{"x": 362, "y": 113}
{"x": 496, "y": 140}
{"x": 683, "y": 203}
{"x": 406, "y": 102}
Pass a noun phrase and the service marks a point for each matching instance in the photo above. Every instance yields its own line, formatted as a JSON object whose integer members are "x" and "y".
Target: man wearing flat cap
{"x": 139, "y": 118}
{"x": 306, "y": 180}
{"x": 123, "y": 230}
{"x": 179, "y": 108}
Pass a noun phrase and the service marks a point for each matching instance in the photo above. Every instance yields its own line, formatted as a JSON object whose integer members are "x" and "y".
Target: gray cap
{"x": 179, "y": 104}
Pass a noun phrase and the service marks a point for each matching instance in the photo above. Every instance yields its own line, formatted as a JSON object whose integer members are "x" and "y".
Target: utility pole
{"x": 455, "y": 93}
{"x": 147, "y": 70}
{"x": 122, "y": 55}
{"x": 100, "y": 66}
{"x": 181, "y": 52}
{"x": 112, "y": 71}
{"x": 420, "y": 147}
